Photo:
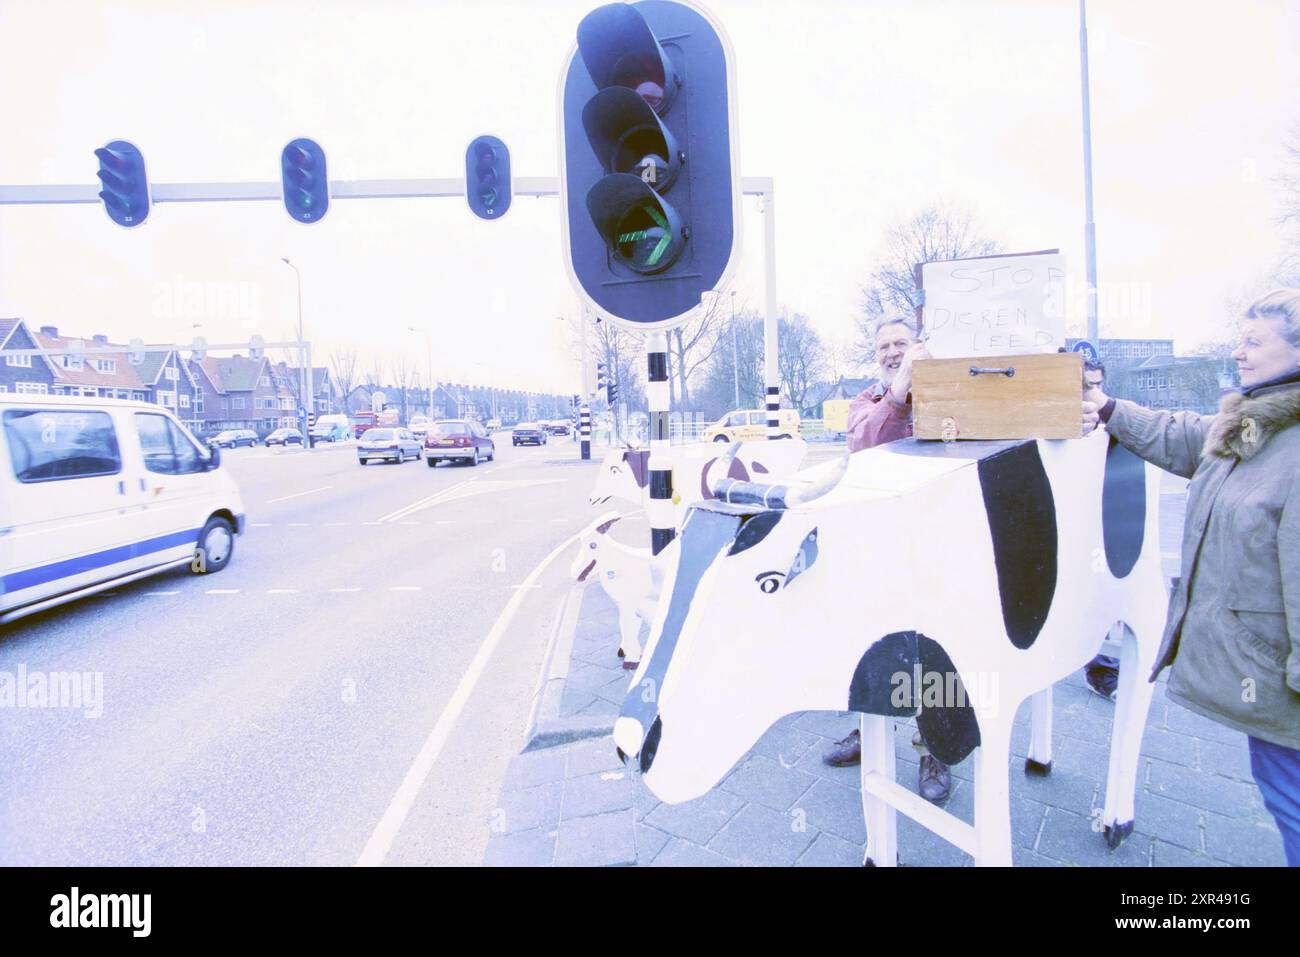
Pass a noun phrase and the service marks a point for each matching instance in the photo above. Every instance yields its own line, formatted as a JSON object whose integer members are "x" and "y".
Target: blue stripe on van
{"x": 31, "y": 577}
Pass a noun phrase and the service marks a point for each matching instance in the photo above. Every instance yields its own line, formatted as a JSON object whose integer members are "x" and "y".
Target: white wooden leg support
{"x": 993, "y": 794}
{"x": 878, "y": 765}
{"x": 1039, "y": 760}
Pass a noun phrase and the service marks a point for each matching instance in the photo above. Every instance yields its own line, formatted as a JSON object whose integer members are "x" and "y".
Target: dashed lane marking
{"x": 310, "y": 491}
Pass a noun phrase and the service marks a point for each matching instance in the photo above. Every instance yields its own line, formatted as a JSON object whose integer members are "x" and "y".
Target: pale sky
{"x": 861, "y": 111}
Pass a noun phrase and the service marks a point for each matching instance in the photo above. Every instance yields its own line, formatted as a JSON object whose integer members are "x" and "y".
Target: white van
{"x": 98, "y": 492}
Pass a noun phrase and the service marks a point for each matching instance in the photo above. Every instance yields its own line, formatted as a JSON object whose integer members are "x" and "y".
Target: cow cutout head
{"x": 734, "y": 570}
{"x": 589, "y": 543}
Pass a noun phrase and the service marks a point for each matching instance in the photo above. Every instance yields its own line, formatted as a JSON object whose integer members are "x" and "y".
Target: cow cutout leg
{"x": 629, "y": 629}
{"x": 880, "y": 817}
{"x": 1132, "y": 705}
{"x": 1039, "y": 760}
{"x": 993, "y": 792}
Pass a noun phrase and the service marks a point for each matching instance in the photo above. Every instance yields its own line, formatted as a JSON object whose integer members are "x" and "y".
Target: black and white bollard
{"x": 584, "y": 429}
{"x": 660, "y": 508}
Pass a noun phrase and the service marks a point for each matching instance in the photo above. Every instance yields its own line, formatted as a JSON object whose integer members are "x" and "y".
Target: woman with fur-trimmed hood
{"x": 1233, "y": 635}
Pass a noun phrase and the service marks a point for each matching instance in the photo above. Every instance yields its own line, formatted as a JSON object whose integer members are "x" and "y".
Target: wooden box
{"x": 998, "y": 397}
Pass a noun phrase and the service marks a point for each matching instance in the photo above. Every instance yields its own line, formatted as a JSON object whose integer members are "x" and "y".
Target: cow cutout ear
{"x": 636, "y": 460}
{"x": 603, "y": 527}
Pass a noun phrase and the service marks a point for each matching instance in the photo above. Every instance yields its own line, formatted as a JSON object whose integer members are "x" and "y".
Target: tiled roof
{"x": 7, "y": 326}
{"x": 233, "y": 373}
{"x": 123, "y": 376}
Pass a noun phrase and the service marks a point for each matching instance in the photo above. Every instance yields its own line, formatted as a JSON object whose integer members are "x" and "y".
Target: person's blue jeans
{"x": 1277, "y": 773}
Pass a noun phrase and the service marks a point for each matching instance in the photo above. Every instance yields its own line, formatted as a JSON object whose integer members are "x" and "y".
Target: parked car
{"x": 95, "y": 493}
{"x": 750, "y": 425}
{"x": 285, "y": 437}
{"x": 526, "y": 432}
{"x": 464, "y": 440}
{"x": 395, "y": 444}
{"x": 234, "y": 438}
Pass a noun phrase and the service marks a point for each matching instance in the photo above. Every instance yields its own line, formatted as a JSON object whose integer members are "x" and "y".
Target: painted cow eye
{"x": 769, "y": 582}
{"x": 592, "y": 545}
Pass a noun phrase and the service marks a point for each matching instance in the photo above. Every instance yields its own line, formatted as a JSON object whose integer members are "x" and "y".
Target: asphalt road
{"x": 271, "y": 713}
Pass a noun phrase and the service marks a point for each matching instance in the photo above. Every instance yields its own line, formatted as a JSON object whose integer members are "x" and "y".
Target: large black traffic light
{"x": 487, "y": 177}
{"x": 126, "y": 187}
{"x": 304, "y": 180}
{"x": 649, "y": 175}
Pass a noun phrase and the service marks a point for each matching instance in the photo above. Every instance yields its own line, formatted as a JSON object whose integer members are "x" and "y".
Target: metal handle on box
{"x": 1009, "y": 371}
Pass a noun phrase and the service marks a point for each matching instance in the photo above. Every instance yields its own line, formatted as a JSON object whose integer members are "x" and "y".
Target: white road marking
{"x": 418, "y": 504}
{"x": 223, "y": 591}
{"x": 340, "y": 591}
{"x": 310, "y": 491}
{"x": 381, "y": 840}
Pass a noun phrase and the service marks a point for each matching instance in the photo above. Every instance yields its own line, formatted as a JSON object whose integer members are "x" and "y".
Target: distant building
{"x": 1147, "y": 372}
{"x": 24, "y": 375}
{"x": 244, "y": 393}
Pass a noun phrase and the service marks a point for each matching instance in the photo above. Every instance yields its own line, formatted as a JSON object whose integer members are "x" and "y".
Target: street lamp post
{"x": 304, "y": 373}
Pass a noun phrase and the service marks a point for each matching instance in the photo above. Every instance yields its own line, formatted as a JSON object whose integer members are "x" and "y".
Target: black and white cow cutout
{"x": 997, "y": 568}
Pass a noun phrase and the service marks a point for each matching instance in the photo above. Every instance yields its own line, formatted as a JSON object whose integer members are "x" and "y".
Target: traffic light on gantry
{"x": 304, "y": 180}
{"x": 487, "y": 177}
{"x": 649, "y": 183}
{"x": 126, "y": 187}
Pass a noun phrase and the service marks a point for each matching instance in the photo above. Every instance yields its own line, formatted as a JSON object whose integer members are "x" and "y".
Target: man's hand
{"x": 902, "y": 383}
{"x": 1094, "y": 395}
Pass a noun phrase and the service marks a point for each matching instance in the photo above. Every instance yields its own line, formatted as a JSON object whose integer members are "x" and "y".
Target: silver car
{"x": 397, "y": 445}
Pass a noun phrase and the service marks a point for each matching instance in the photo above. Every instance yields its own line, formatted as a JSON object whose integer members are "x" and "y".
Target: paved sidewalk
{"x": 574, "y": 804}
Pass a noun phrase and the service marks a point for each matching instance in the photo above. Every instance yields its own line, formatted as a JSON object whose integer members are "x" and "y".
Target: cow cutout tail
{"x": 897, "y": 677}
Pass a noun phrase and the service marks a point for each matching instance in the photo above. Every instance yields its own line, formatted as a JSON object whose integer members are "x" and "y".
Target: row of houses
{"x": 208, "y": 395}
{"x": 233, "y": 392}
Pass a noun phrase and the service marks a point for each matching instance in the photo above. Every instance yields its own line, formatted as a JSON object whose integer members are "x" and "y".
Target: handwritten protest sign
{"x": 994, "y": 306}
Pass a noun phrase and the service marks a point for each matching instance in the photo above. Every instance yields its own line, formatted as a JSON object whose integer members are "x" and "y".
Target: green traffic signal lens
{"x": 644, "y": 240}
{"x": 488, "y": 197}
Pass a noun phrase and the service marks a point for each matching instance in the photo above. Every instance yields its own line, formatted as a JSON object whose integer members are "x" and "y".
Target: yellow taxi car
{"x": 751, "y": 426}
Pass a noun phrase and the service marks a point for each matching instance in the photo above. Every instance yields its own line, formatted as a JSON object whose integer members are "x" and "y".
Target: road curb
{"x": 545, "y": 727}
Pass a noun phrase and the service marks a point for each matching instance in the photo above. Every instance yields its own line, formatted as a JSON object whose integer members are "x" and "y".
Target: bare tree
{"x": 1289, "y": 216}
{"x": 373, "y": 379}
{"x": 937, "y": 232}
{"x": 692, "y": 344}
{"x": 403, "y": 370}
{"x": 623, "y": 354}
{"x": 801, "y": 361}
{"x": 343, "y": 365}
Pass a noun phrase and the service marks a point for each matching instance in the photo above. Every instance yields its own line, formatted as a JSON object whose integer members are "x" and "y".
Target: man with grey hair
{"x": 882, "y": 414}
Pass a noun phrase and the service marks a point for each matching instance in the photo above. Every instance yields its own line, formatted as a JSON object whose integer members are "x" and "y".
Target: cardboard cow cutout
{"x": 626, "y": 575}
{"x": 624, "y": 473}
{"x": 946, "y": 581}
{"x": 625, "y": 572}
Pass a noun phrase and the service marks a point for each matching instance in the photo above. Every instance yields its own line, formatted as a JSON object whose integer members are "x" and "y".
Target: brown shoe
{"x": 935, "y": 780}
{"x": 845, "y": 752}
